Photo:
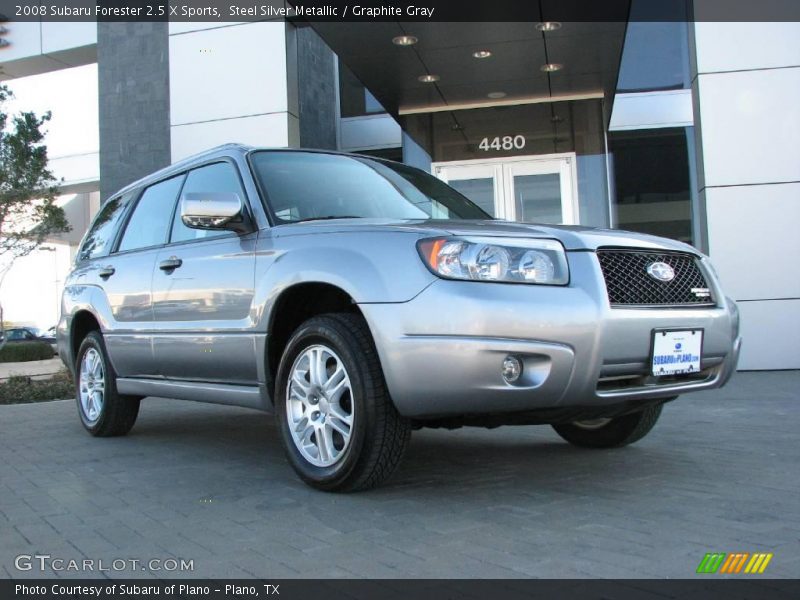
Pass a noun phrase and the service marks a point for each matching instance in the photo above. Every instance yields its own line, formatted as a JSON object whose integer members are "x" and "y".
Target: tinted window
{"x": 100, "y": 236}
{"x": 655, "y": 57}
{"x": 19, "y": 334}
{"x": 305, "y": 186}
{"x": 151, "y": 217}
{"x": 219, "y": 177}
{"x": 653, "y": 182}
{"x": 354, "y": 99}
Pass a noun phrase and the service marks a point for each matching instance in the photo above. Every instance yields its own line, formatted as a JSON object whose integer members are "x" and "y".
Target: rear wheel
{"x": 610, "y": 432}
{"x": 103, "y": 411}
{"x": 339, "y": 426}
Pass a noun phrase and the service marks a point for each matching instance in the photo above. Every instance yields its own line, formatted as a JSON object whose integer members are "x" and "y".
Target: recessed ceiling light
{"x": 551, "y": 67}
{"x": 496, "y": 95}
{"x": 428, "y": 78}
{"x": 482, "y": 54}
{"x": 548, "y": 26}
{"x": 404, "y": 40}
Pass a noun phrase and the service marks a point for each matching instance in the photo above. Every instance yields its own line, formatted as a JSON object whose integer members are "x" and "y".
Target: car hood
{"x": 573, "y": 237}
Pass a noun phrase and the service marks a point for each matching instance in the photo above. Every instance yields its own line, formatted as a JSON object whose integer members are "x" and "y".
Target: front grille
{"x": 629, "y": 284}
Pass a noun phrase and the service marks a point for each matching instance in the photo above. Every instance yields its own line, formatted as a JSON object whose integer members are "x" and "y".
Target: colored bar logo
{"x": 734, "y": 563}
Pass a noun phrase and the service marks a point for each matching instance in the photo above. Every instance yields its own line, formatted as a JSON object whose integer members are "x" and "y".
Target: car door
{"x": 203, "y": 288}
{"x": 117, "y": 266}
{"x": 125, "y": 276}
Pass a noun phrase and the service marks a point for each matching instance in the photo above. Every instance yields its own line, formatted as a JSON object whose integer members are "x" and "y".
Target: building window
{"x": 354, "y": 99}
{"x": 655, "y": 57}
{"x": 651, "y": 169}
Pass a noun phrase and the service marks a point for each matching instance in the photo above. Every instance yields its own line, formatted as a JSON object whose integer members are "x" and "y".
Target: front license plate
{"x": 676, "y": 352}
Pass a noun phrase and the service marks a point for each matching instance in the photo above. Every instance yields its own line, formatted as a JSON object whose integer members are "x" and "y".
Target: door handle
{"x": 170, "y": 264}
{"x": 106, "y": 272}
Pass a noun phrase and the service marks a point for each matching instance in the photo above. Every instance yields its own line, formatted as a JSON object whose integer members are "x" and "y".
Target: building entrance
{"x": 538, "y": 189}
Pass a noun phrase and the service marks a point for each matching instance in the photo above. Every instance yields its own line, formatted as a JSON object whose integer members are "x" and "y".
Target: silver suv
{"x": 359, "y": 299}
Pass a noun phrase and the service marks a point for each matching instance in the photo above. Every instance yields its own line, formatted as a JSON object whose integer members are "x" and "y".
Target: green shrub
{"x": 20, "y": 389}
{"x": 25, "y": 351}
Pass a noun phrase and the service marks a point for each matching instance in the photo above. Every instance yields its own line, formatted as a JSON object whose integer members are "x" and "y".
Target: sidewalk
{"x": 35, "y": 368}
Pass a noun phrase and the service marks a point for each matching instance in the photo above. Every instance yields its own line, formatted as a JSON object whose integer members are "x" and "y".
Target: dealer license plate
{"x": 676, "y": 352}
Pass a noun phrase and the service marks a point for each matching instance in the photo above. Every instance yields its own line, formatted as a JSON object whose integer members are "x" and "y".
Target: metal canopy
{"x": 589, "y": 52}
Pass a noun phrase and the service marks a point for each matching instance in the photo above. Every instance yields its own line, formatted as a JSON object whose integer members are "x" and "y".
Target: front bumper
{"x": 442, "y": 351}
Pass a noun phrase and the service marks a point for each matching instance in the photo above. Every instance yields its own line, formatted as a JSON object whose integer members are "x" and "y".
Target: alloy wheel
{"x": 319, "y": 406}
{"x": 92, "y": 385}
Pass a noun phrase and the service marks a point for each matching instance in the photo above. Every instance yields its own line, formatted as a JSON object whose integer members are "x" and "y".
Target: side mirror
{"x": 215, "y": 210}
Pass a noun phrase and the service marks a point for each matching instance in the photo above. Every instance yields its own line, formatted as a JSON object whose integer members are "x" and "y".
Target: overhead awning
{"x": 586, "y": 55}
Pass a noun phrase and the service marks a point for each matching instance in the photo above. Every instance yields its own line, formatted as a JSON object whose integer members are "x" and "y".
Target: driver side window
{"x": 218, "y": 177}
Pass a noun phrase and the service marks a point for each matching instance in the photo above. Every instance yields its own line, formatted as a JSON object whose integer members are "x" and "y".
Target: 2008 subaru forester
{"x": 359, "y": 298}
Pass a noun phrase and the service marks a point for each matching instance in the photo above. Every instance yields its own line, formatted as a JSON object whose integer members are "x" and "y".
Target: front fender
{"x": 369, "y": 267}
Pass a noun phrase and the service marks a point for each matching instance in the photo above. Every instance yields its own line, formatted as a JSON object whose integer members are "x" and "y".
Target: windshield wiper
{"x": 327, "y": 218}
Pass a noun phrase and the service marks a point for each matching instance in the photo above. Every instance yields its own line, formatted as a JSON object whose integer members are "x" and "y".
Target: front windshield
{"x": 303, "y": 186}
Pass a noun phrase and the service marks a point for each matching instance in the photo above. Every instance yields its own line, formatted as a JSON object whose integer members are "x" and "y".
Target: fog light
{"x": 512, "y": 369}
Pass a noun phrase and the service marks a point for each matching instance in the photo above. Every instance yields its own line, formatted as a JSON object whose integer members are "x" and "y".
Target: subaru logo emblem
{"x": 661, "y": 271}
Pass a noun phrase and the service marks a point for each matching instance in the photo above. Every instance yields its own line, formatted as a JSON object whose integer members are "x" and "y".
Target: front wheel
{"x": 104, "y": 412}
{"x": 339, "y": 426}
{"x": 610, "y": 432}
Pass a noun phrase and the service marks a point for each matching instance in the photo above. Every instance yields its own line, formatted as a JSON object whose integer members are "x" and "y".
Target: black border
{"x": 332, "y": 11}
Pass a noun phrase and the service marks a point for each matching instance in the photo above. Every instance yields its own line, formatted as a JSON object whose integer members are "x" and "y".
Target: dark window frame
{"x": 115, "y": 234}
{"x": 186, "y": 173}
{"x": 140, "y": 193}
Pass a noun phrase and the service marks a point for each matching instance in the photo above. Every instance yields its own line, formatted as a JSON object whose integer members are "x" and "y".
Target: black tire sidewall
{"x": 332, "y": 333}
{"x": 620, "y": 431}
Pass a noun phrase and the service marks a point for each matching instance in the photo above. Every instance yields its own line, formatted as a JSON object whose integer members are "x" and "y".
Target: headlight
{"x": 510, "y": 260}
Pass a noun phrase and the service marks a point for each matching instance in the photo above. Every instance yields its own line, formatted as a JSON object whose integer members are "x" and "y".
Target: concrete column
{"x": 133, "y": 92}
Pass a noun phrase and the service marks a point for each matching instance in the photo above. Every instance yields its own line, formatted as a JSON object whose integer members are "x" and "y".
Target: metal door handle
{"x": 170, "y": 264}
{"x": 106, "y": 272}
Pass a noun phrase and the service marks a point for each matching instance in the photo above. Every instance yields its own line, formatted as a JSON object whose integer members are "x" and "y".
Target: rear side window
{"x": 219, "y": 177}
{"x": 101, "y": 235}
{"x": 150, "y": 220}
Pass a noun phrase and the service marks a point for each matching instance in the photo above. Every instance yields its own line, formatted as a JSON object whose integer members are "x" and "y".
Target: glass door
{"x": 481, "y": 183}
{"x": 539, "y": 189}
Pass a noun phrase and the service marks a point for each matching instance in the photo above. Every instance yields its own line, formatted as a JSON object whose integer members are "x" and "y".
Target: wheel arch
{"x": 293, "y": 306}
{"x": 83, "y": 322}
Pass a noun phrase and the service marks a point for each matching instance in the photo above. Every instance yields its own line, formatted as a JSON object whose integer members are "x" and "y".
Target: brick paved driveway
{"x": 721, "y": 472}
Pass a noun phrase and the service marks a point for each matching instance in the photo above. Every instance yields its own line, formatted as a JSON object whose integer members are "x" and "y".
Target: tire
{"x": 349, "y": 436}
{"x": 116, "y": 414}
{"x": 610, "y": 433}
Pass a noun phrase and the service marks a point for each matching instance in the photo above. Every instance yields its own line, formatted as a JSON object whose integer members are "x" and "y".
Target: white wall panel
{"x": 264, "y": 130}
{"x": 770, "y": 334}
{"x": 36, "y": 48}
{"x": 753, "y": 240}
{"x": 76, "y": 169}
{"x": 58, "y": 37}
{"x": 740, "y": 46}
{"x": 750, "y": 126}
{"x": 228, "y": 72}
{"x": 177, "y": 27}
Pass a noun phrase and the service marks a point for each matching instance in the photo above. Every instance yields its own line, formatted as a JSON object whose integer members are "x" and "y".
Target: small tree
{"x": 28, "y": 212}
